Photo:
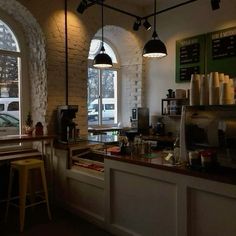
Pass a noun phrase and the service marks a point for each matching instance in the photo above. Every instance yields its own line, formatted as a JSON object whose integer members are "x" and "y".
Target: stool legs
{"x": 45, "y": 190}
{"x": 9, "y": 193}
{"x": 23, "y": 167}
{"x": 23, "y": 178}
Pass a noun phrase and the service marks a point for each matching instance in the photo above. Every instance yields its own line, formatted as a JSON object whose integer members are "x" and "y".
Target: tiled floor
{"x": 37, "y": 224}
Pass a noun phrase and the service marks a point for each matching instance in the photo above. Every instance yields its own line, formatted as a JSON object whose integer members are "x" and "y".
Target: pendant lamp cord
{"x": 66, "y": 52}
{"x": 154, "y": 35}
{"x": 102, "y": 48}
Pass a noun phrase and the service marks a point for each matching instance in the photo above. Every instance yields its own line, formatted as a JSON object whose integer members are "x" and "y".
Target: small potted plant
{"x": 29, "y": 125}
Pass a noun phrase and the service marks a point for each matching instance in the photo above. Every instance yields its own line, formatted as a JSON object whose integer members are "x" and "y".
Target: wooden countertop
{"x": 103, "y": 129}
{"x": 164, "y": 138}
{"x": 219, "y": 174}
{"x": 24, "y": 138}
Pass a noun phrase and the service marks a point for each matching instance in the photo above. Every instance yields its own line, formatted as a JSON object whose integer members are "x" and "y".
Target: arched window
{"x": 102, "y": 88}
{"x": 10, "y": 71}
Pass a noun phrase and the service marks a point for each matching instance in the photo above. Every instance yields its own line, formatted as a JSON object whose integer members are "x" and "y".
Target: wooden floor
{"x": 37, "y": 224}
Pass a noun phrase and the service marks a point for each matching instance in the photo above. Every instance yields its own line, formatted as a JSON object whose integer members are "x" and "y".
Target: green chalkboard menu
{"x": 215, "y": 51}
{"x": 221, "y": 53}
{"x": 189, "y": 57}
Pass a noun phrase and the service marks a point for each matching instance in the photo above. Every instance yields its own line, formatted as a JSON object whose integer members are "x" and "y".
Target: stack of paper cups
{"x": 195, "y": 89}
{"x": 226, "y": 94}
{"x": 226, "y": 79}
{"x": 204, "y": 90}
{"x": 231, "y": 83}
{"x": 221, "y": 78}
{"x": 214, "y": 88}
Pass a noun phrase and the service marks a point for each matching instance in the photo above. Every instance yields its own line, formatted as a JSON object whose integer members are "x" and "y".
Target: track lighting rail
{"x": 99, "y": 2}
{"x": 169, "y": 8}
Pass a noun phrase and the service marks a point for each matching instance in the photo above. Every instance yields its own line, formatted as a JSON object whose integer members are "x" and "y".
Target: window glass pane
{"x": 9, "y": 94}
{"x": 8, "y": 125}
{"x": 10, "y": 119}
{"x": 9, "y": 81}
{"x": 110, "y": 52}
{"x": 13, "y": 106}
{"x": 9, "y": 76}
{"x": 109, "y": 98}
{"x": 7, "y": 38}
{"x": 109, "y": 106}
{"x": 95, "y": 47}
{"x": 93, "y": 94}
{"x": 102, "y": 89}
{"x": 108, "y": 92}
{"x": 93, "y": 84}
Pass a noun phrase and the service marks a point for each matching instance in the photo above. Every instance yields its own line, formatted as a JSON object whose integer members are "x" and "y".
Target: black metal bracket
{"x": 99, "y": 2}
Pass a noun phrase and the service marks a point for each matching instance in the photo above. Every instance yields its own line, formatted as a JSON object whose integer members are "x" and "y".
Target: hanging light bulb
{"x": 154, "y": 47}
{"x": 102, "y": 60}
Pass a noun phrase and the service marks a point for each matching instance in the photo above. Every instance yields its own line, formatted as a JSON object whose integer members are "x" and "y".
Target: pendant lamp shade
{"x": 154, "y": 47}
{"x": 102, "y": 60}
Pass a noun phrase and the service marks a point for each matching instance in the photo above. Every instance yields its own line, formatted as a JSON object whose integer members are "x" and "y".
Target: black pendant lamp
{"x": 154, "y": 47}
{"x": 102, "y": 60}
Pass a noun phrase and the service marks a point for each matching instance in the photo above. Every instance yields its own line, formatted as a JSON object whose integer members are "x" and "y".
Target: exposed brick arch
{"x": 129, "y": 52}
{"x": 37, "y": 56}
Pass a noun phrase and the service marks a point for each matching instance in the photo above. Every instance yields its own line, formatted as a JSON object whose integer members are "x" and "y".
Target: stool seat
{"x": 27, "y": 163}
{"x": 23, "y": 167}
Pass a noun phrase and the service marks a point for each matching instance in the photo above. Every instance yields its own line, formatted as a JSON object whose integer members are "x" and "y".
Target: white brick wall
{"x": 43, "y": 27}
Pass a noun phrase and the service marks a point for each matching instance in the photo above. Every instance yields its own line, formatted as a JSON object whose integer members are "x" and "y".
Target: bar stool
{"x": 23, "y": 167}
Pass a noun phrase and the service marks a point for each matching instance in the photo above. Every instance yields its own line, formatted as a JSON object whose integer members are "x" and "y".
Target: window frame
{"x": 24, "y": 83}
{"x": 115, "y": 67}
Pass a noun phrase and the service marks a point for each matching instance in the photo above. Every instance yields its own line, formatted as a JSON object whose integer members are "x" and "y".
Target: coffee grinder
{"x": 66, "y": 127}
{"x": 140, "y": 120}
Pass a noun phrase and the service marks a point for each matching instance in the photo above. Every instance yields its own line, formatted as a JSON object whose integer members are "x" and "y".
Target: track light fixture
{"x": 137, "y": 24}
{"x": 102, "y": 60}
{"x": 82, "y": 6}
{"x": 147, "y": 25}
{"x": 215, "y": 4}
{"x": 154, "y": 47}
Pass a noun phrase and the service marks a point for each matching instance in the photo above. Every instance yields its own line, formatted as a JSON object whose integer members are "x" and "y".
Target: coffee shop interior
{"x": 118, "y": 117}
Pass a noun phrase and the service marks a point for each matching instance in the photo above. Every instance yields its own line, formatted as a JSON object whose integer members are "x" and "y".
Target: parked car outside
{"x": 10, "y": 106}
{"x": 108, "y": 109}
{"x": 9, "y": 125}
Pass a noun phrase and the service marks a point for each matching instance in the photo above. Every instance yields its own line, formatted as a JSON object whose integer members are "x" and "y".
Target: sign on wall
{"x": 205, "y": 53}
{"x": 221, "y": 55}
{"x": 189, "y": 57}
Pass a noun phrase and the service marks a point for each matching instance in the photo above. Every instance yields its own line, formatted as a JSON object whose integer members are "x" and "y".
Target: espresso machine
{"x": 66, "y": 127}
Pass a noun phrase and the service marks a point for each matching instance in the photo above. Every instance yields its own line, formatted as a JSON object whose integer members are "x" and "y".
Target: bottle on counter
{"x": 177, "y": 149}
{"x": 160, "y": 127}
{"x": 195, "y": 159}
{"x": 208, "y": 159}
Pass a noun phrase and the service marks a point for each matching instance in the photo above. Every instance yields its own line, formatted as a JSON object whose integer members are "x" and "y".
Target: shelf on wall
{"x": 172, "y": 107}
